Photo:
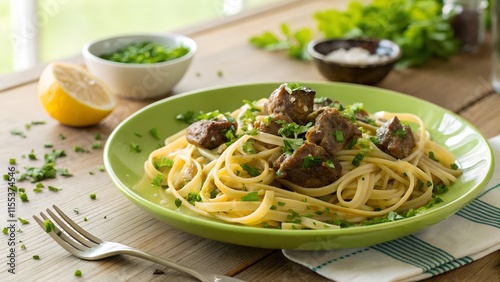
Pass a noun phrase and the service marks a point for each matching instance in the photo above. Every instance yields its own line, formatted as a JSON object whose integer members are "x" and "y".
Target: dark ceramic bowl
{"x": 361, "y": 73}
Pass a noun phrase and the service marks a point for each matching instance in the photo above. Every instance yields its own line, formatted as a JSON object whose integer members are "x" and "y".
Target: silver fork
{"x": 84, "y": 245}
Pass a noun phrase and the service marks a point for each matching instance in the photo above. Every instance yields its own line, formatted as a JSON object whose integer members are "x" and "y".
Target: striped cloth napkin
{"x": 471, "y": 234}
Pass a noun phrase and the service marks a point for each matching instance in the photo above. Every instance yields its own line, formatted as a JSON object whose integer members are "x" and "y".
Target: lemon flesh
{"x": 73, "y": 96}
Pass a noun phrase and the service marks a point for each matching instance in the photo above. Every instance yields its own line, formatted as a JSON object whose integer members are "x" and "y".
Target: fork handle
{"x": 147, "y": 256}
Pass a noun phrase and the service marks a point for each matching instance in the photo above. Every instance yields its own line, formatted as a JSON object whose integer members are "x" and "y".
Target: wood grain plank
{"x": 485, "y": 114}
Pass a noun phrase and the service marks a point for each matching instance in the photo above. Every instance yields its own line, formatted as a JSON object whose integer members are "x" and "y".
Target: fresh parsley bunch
{"x": 416, "y": 25}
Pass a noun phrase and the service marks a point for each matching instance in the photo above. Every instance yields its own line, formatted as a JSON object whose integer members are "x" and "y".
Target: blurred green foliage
{"x": 417, "y": 26}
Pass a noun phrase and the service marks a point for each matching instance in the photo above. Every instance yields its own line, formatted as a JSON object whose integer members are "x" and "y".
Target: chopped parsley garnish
{"x": 23, "y": 221}
{"x": 230, "y": 135}
{"x": 374, "y": 140}
{"x": 208, "y": 115}
{"x": 98, "y": 136}
{"x": 52, "y": 156}
{"x": 432, "y": 157}
{"x": 252, "y": 196}
{"x": 310, "y": 161}
{"x": 350, "y": 111}
{"x": 64, "y": 172}
{"x": 157, "y": 180}
{"x": 79, "y": 149}
{"x": 293, "y": 216}
{"x": 178, "y": 202}
{"x": 213, "y": 194}
{"x": 193, "y": 197}
{"x": 339, "y": 135}
{"x": 61, "y": 136}
{"x": 251, "y": 105}
{"x": 18, "y": 133}
{"x": 37, "y": 190}
{"x": 49, "y": 226}
{"x": 251, "y": 170}
{"x": 292, "y": 129}
{"x": 189, "y": 117}
{"x": 400, "y": 132}
{"x": 53, "y": 189}
{"x": 320, "y": 100}
{"x": 135, "y": 147}
{"x": 164, "y": 162}
{"x": 356, "y": 161}
{"x": 154, "y": 132}
{"x": 439, "y": 189}
{"x": 267, "y": 120}
{"x": 93, "y": 196}
{"x": 78, "y": 273}
{"x": 291, "y": 87}
{"x": 97, "y": 145}
{"x": 454, "y": 166}
{"x": 352, "y": 143}
{"x": 32, "y": 155}
{"x": 36, "y": 257}
{"x": 291, "y": 145}
{"x": 330, "y": 164}
{"x": 23, "y": 196}
{"x": 12, "y": 161}
{"x": 248, "y": 146}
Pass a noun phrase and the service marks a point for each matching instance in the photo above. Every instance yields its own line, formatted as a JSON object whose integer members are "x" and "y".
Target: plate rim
{"x": 133, "y": 196}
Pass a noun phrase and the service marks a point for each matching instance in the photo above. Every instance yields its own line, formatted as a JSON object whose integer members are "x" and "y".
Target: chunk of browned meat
{"x": 396, "y": 139}
{"x": 297, "y": 105}
{"x": 309, "y": 166}
{"x": 208, "y": 134}
{"x": 324, "y": 132}
{"x": 269, "y": 124}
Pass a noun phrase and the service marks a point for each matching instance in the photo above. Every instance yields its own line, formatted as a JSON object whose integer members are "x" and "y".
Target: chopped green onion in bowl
{"x": 146, "y": 52}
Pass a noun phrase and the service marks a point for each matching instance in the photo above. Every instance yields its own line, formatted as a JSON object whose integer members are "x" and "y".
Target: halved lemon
{"x": 73, "y": 96}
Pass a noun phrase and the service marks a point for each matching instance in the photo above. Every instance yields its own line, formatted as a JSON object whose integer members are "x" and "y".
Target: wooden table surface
{"x": 461, "y": 84}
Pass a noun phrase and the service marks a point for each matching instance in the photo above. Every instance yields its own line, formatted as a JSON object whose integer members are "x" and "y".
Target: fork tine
{"x": 68, "y": 238}
{"x": 77, "y": 227}
{"x": 63, "y": 240}
{"x": 72, "y": 234}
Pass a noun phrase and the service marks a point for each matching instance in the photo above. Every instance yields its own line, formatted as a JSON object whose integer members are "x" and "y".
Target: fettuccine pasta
{"x": 239, "y": 181}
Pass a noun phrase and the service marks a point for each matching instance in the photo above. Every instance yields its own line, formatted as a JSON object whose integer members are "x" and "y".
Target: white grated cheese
{"x": 356, "y": 56}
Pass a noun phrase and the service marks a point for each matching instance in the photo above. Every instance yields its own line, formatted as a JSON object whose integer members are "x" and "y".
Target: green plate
{"x": 125, "y": 166}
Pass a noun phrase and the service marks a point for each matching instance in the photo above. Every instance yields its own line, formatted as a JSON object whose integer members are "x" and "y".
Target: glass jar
{"x": 495, "y": 34}
{"x": 467, "y": 18}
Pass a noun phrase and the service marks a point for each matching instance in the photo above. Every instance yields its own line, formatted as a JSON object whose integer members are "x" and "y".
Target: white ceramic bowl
{"x": 138, "y": 81}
